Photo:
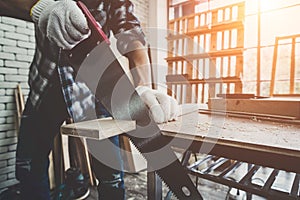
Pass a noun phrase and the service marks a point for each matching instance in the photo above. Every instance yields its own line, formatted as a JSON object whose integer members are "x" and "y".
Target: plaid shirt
{"x": 113, "y": 15}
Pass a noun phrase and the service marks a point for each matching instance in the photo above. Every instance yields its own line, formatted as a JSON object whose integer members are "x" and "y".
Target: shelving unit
{"x": 205, "y": 54}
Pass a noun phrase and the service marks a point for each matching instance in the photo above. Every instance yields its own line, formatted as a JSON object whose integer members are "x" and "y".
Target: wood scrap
{"x": 285, "y": 107}
{"x": 19, "y": 99}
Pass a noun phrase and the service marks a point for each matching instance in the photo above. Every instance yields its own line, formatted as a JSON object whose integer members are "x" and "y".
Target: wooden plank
{"x": 287, "y": 95}
{"x": 203, "y": 93}
{"x": 221, "y": 73}
{"x": 98, "y": 129}
{"x": 207, "y": 29}
{"x": 228, "y": 74}
{"x": 177, "y": 77}
{"x": 274, "y": 63}
{"x": 88, "y": 163}
{"x": 51, "y": 172}
{"x": 170, "y": 65}
{"x": 236, "y": 96}
{"x": 284, "y": 106}
{"x": 211, "y": 54}
{"x": 58, "y": 162}
{"x": 205, "y": 81}
{"x": 239, "y": 73}
{"x": 153, "y": 86}
{"x": 293, "y": 64}
{"x": 240, "y": 44}
{"x": 241, "y": 11}
{"x": 254, "y": 116}
{"x": 212, "y": 74}
{"x": 288, "y": 37}
{"x": 212, "y": 60}
{"x": 258, "y": 56}
{"x": 182, "y": 91}
{"x": 128, "y": 162}
{"x": 189, "y": 71}
{"x": 19, "y": 98}
{"x": 240, "y": 5}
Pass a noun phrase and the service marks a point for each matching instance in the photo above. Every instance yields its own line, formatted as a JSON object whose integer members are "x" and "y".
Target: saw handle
{"x": 76, "y": 56}
{"x": 93, "y": 24}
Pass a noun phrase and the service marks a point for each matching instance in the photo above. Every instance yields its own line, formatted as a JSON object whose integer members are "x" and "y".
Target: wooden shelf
{"x": 220, "y": 34}
{"x": 172, "y": 79}
{"x": 211, "y": 54}
{"x": 239, "y": 5}
{"x": 223, "y": 26}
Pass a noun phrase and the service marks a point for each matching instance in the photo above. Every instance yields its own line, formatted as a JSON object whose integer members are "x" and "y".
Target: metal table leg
{"x": 154, "y": 186}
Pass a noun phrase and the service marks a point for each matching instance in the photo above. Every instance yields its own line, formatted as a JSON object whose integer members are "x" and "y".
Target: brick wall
{"x": 17, "y": 45}
{"x": 142, "y": 11}
{"x": 16, "y": 52}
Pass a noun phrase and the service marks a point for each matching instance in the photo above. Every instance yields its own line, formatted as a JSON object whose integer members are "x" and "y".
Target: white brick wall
{"x": 16, "y": 53}
{"x": 141, "y": 8}
{"x": 17, "y": 43}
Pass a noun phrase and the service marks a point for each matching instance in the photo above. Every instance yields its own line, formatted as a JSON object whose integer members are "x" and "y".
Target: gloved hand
{"x": 163, "y": 107}
{"x": 61, "y": 21}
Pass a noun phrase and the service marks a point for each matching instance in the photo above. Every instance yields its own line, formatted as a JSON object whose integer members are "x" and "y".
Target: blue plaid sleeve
{"x": 79, "y": 99}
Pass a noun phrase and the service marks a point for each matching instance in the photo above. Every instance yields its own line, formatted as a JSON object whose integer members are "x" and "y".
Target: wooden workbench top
{"x": 235, "y": 131}
{"x": 243, "y": 132}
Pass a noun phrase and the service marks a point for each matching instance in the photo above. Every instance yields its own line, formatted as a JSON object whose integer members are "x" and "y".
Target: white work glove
{"x": 61, "y": 21}
{"x": 163, "y": 107}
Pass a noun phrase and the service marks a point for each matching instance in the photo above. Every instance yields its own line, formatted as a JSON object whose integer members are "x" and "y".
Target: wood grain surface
{"x": 244, "y": 131}
{"x": 98, "y": 129}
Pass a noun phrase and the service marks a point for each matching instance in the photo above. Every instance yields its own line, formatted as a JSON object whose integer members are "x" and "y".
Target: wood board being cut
{"x": 99, "y": 128}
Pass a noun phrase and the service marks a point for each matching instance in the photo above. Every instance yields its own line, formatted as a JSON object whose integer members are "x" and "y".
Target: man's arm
{"x": 130, "y": 40}
{"x": 131, "y": 43}
{"x": 17, "y": 8}
{"x": 162, "y": 107}
{"x": 139, "y": 64}
{"x": 62, "y": 22}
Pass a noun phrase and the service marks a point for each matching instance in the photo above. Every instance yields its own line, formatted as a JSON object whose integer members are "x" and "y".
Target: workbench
{"x": 249, "y": 139}
{"x": 266, "y": 143}
{"x": 259, "y": 143}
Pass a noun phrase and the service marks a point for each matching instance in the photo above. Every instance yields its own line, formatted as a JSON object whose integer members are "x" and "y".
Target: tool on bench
{"x": 98, "y": 67}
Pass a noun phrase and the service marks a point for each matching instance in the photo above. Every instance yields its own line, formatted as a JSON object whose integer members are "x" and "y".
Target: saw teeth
{"x": 167, "y": 186}
{"x": 158, "y": 174}
{"x": 161, "y": 177}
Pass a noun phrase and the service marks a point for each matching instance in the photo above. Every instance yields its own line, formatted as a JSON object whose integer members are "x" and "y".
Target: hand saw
{"x": 103, "y": 74}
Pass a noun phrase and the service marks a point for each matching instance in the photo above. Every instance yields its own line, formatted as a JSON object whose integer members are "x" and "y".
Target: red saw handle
{"x": 94, "y": 25}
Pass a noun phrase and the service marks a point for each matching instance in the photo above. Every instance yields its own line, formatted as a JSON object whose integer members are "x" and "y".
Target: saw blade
{"x": 105, "y": 77}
